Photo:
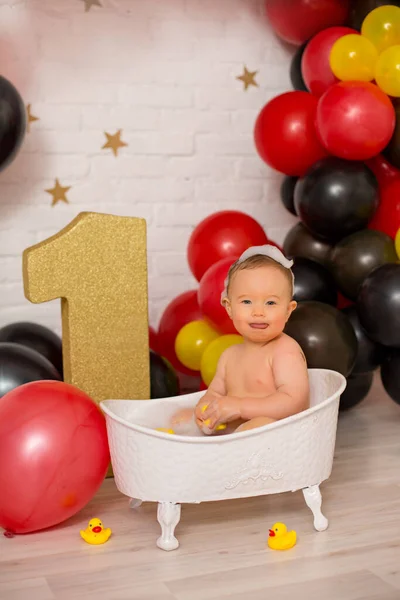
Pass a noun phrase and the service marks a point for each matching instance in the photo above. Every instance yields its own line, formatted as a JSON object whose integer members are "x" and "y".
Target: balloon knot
{"x": 9, "y": 534}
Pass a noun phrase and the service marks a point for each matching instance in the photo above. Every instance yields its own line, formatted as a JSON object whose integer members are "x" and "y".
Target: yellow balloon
{"x": 397, "y": 243}
{"x": 387, "y": 72}
{"x": 382, "y": 27}
{"x": 353, "y": 58}
{"x": 212, "y": 354}
{"x": 192, "y": 340}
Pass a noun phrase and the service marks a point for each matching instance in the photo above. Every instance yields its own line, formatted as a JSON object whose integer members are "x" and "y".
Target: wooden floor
{"x": 223, "y": 551}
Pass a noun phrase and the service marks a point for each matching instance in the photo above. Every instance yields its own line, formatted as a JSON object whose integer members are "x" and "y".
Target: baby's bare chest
{"x": 250, "y": 375}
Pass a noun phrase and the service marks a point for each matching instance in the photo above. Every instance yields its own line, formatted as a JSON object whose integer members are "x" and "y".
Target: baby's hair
{"x": 255, "y": 261}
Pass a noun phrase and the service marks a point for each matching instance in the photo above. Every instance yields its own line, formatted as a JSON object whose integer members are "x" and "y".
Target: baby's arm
{"x": 217, "y": 387}
{"x": 185, "y": 419}
{"x": 292, "y": 389}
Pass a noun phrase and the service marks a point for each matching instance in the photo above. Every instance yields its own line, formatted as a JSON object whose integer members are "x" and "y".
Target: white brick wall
{"x": 164, "y": 72}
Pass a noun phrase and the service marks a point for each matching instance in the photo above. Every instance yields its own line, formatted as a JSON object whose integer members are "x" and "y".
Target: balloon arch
{"x": 335, "y": 139}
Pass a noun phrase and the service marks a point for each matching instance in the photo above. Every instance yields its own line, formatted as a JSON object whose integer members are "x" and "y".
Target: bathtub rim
{"x": 222, "y": 439}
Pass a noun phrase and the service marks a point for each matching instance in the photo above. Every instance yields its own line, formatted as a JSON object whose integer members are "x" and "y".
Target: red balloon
{"x": 53, "y": 454}
{"x": 382, "y": 169}
{"x": 343, "y": 302}
{"x": 355, "y": 120}
{"x": 203, "y": 386}
{"x": 210, "y": 289}
{"x": 315, "y": 67}
{"x": 285, "y": 135}
{"x": 153, "y": 339}
{"x": 180, "y": 311}
{"x": 387, "y": 217}
{"x": 222, "y": 234}
{"x": 296, "y": 21}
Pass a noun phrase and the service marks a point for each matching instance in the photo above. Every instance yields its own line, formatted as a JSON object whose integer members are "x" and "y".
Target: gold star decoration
{"x": 58, "y": 192}
{"x": 90, "y": 3}
{"x": 248, "y": 78}
{"x": 30, "y": 118}
{"x": 114, "y": 142}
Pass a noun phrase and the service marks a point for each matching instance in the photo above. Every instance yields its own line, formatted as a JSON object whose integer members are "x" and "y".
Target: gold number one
{"x": 97, "y": 265}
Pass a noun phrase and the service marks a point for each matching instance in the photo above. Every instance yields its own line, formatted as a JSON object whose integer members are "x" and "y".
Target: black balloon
{"x": 37, "y": 337}
{"x": 325, "y": 335}
{"x": 390, "y": 374}
{"x": 369, "y": 353}
{"x": 336, "y": 198}
{"x": 358, "y": 386}
{"x": 296, "y": 76}
{"x": 378, "y": 305}
{"x": 19, "y": 365}
{"x": 12, "y": 122}
{"x": 392, "y": 150}
{"x": 359, "y": 9}
{"x": 312, "y": 281}
{"x": 357, "y": 255}
{"x": 164, "y": 381}
{"x": 299, "y": 242}
{"x": 287, "y": 193}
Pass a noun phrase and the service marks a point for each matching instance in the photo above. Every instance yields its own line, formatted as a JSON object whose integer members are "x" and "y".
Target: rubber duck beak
{"x": 97, "y": 529}
{"x": 271, "y": 533}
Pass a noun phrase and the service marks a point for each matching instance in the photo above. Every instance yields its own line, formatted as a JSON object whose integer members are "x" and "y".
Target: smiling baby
{"x": 265, "y": 378}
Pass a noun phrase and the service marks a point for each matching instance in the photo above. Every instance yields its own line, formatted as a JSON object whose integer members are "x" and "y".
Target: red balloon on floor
{"x": 211, "y": 286}
{"x": 387, "y": 217}
{"x": 315, "y": 67}
{"x": 355, "y": 120}
{"x": 53, "y": 454}
{"x": 181, "y": 310}
{"x": 296, "y": 21}
{"x": 222, "y": 234}
{"x": 285, "y": 134}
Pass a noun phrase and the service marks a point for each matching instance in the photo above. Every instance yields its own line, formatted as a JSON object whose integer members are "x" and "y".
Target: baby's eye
{"x": 246, "y": 301}
{"x": 271, "y": 302}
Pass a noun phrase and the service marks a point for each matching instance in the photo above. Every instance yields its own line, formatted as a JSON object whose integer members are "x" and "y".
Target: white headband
{"x": 266, "y": 250}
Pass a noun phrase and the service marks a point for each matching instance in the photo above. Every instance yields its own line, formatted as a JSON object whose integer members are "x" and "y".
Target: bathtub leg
{"x": 168, "y": 515}
{"x": 134, "y": 503}
{"x": 312, "y": 496}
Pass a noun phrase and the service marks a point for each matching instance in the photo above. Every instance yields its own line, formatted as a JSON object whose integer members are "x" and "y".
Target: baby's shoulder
{"x": 286, "y": 344}
{"x": 230, "y": 353}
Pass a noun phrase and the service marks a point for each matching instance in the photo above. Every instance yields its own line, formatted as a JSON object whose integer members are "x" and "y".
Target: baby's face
{"x": 260, "y": 303}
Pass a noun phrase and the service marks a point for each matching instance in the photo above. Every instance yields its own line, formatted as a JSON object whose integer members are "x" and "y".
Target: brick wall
{"x": 163, "y": 71}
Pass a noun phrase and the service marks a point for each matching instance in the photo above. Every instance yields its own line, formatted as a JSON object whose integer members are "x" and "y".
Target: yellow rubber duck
{"x": 220, "y": 427}
{"x": 280, "y": 538}
{"x": 166, "y": 430}
{"x": 95, "y": 534}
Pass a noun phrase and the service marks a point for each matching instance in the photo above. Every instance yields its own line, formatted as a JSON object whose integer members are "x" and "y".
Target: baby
{"x": 265, "y": 378}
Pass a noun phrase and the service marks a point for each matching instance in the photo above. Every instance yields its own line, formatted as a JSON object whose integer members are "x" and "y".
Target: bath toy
{"x": 165, "y": 430}
{"x": 207, "y": 422}
{"x": 95, "y": 534}
{"x": 280, "y": 538}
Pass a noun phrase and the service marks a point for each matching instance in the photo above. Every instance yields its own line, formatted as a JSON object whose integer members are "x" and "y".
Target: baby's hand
{"x": 208, "y": 397}
{"x": 222, "y": 409}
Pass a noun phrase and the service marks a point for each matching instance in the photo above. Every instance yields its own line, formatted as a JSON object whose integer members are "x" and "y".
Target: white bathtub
{"x": 286, "y": 456}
